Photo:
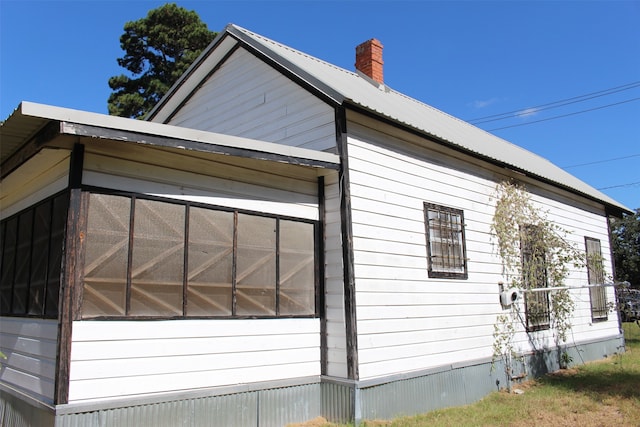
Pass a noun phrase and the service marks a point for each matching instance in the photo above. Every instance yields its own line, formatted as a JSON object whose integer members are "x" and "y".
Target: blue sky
{"x": 471, "y": 59}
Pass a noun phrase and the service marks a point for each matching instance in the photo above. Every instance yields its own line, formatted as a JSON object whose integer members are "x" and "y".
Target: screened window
{"x": 534, "y": 272}
{"x": 595, "y": 274}
{"x": 446, "y": 250}
{"x": 153, "y": 258}
{"x": 31, "y": 246}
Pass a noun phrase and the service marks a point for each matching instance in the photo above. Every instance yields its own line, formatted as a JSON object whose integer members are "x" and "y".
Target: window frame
{"x": 595, "y": 276}
{"x": 531, "y": 297}
{"x": 446, "y": 272}
{"x": 187, "y": 205}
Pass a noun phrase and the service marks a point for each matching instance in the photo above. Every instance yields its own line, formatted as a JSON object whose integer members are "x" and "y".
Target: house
{"x": 261, "y": 251}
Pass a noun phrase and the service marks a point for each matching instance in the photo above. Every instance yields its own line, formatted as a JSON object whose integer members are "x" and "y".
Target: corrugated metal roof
{"x": 343, "y": 86}
{"x": 405, "y": 110}
{"x": 29, "y": 118}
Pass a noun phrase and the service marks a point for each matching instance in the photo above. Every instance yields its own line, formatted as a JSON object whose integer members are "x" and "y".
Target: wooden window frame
{"x": 236, "y": 212}
{"x": 435, "y": 271}
{"x": 595, "y": 276}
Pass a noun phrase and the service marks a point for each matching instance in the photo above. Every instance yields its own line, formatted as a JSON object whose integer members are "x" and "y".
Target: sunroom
{"x": 135, "y": 251}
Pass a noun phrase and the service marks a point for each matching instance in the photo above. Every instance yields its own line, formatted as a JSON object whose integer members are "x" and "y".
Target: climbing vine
{"x": 535, "y": 254}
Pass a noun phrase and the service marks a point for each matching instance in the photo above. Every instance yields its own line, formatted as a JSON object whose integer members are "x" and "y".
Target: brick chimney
{"x": 369, "y": 59}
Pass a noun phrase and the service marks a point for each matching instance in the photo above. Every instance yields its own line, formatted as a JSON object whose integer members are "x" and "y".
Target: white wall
{"x": 30, "y": 347}
{"x": 115, "y": 359}
{"x": 334, "y": 282}
{"x": 257, "y": 186}
{"x": 246, "y": 97}
{"x": 406, "y": 320}
{"x": 112, "y": 359}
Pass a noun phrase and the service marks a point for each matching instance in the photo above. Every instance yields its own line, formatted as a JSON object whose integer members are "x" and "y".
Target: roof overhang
{"x": 32, "y": 125}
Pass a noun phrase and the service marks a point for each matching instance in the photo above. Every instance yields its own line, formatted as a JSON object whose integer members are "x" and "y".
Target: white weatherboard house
{"x": 267, "y": 248}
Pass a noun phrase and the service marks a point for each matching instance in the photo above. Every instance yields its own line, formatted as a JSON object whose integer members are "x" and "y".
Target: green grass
{"x": 603, "y": 393}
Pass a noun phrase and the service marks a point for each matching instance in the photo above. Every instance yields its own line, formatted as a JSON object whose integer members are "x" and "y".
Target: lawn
{"x": 603, "y": 393}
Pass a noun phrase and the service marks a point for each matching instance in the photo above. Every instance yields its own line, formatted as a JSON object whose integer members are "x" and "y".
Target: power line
{"x": 566, "y": 115}
{"x": 555, "y": 104}
{"x": 621, "y": 185}
{"x": 601, "y": 161}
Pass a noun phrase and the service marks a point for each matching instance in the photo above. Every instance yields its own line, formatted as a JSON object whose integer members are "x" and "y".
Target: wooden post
{"x": 72, "y": 273}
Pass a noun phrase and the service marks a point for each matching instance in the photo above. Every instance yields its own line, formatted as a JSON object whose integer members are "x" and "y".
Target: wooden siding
{"x": 246, "y": 97}
{"x": 407, "y": 321}
{"x": 30, "y": 347}
{"x": 334, "y": 283}
{"x": 112, "y": 359}
{"x": 43, "y": 175}
{"x": 252, "y": 185}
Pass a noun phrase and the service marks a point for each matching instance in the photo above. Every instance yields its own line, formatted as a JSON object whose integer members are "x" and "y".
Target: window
{"x": 534, "y": 275}
{"x": 446, "y": 250}
{"x": 595, "y": 275}
{"x": 31, "y": 259}
{"x": 154, "y": 258}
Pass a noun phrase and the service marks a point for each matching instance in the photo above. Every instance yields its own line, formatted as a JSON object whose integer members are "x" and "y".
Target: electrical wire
{"x": 601, "y": 161}
{"x": 566, "y": 115}
{"x": 554, "y": 104}
{"x": 621, "y": 185}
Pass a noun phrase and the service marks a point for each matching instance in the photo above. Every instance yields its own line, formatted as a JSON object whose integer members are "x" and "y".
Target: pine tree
{"x": 158, "y": 50}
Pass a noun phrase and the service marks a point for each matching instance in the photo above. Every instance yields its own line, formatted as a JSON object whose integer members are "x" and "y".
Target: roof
{"x": 347, "y": 88}
{"x": 29, "y": 120}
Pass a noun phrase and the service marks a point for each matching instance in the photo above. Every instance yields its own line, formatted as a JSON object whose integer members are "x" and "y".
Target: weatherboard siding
{"x": 246, "y": 97}
{"x": 45, "y": 174}
{"x": 408, "y": 321}
{"x": 272, "y": 189}
{"x": 30, "y": 347}
{"x": 334, "y": 283}
{"x": 115, "y": 359}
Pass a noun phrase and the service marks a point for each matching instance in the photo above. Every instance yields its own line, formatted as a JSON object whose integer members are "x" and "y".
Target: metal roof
{"x": 344, "y": 87}
{"x": 30, "y": 118}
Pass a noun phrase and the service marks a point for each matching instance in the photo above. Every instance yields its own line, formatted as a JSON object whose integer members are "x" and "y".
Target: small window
{"x": 446, "y": 250}
{"x": 534, "y": 276}
{"x": 595, "y": 275}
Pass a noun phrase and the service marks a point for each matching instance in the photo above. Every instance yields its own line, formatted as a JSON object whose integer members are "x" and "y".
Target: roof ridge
{"x": 294, "y": 50}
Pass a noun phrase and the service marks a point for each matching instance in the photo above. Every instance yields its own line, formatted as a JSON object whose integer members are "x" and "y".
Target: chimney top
{"x": 369, "y": 59}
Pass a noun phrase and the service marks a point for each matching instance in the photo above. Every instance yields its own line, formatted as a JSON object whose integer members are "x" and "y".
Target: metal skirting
{"x": 17, "y": 412}
{"x": 450, "y": 387}
{"x": 265, "y": 408}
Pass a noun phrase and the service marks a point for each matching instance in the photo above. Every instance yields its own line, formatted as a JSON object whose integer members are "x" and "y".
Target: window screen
{"x": 210, "y": 274}
{"x": 153, "y": 258}
{"x": 31, "y": 247}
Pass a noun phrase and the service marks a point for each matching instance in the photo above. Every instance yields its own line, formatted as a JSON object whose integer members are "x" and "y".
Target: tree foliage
{"x": 158, "y": 50}
{"x": 625, "y": 238}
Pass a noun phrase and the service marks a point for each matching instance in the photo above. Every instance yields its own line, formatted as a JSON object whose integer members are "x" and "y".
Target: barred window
{"x": 595, "y": 276}
{"x": 155, "y": 258}
{"x": 534, "y": 272}
{"x": 446, "y": 250}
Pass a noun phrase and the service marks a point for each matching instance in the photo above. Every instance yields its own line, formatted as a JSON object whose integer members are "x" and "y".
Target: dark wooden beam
{"x": 347, "y": 247}
{"x": 72, "y": 274}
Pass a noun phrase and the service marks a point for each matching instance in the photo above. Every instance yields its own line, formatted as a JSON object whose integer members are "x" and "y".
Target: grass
{"x": 603, "y": 393}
